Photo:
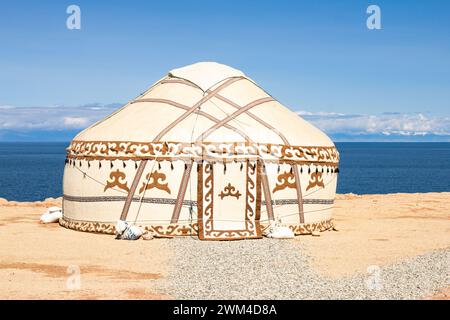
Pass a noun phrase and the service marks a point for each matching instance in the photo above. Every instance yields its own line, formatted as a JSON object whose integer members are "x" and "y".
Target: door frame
{"x": 205, "y": 203}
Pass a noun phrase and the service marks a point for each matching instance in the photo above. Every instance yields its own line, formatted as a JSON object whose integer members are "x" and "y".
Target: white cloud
{"x": 76, "y": 122}
{"x": 385, "y": 124}
{"x": 404, "y": 124}
{"x": 320, "y": 113}
{"x": 53, "y": 117}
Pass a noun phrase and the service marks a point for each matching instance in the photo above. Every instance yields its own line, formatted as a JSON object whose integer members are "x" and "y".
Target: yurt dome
{"x": 203, "y": 152}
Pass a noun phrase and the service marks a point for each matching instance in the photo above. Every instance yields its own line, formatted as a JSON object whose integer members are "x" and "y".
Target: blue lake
{"x": 33, "y": 171}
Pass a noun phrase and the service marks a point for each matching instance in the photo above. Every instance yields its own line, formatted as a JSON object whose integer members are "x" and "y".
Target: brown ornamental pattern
{"x": 229, "y": 191}
{"x": 205, "y": 203}
{"x": 181, "y": 229}
{"x": 285, "y": 180}
{"x": 118, "y": 179}
{"x": 316, "y": 180}
{"x": 128, "y": 150}
{"x": 155, "y": 180}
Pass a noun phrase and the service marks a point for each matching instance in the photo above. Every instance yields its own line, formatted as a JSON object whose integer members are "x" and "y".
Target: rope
{"x": 191, "y": 209}
{"x": 99, "y": 182}
{"x": 148, "y": 180}
{"x": 102, "y": 184}
{"x": 240, "y": 124}
{"x": 310, "y": 193}
{"x": 145, "y": 190}
{"x": 296, "y": 213}
{"x": 190, "y": 206}
{"x": 240, "y": 220}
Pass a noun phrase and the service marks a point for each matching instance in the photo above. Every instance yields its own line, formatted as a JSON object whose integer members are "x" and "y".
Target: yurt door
{"x": 229, "y": 200}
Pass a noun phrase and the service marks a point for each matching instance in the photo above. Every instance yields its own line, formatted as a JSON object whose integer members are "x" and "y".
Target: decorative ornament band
{"x": 182, "y": 229}
{"x": 128, "y": 150}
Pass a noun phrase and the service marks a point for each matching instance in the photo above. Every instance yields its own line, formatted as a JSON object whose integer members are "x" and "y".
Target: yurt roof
{"x": 210, "y": 102}
{"x": 206, "y": 74}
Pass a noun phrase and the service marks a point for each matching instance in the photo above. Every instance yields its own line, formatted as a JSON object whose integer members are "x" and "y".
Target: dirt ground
{"x": 40, "y": 261}
{"x": 380, "y": 229}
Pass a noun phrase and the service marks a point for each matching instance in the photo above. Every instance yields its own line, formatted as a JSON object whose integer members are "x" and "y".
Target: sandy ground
{"x": 42, "y": 261}
{"x": 380, "y": 229}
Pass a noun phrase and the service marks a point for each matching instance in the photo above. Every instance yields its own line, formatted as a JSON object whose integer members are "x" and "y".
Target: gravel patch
{"x": 280, "y": 269}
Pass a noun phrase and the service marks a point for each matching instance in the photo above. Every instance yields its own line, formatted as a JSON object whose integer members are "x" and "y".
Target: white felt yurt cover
{"x": 204, "y": 151}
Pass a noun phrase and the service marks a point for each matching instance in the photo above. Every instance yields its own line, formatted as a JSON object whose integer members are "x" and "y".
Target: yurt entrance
{"x": 229, "y": 200}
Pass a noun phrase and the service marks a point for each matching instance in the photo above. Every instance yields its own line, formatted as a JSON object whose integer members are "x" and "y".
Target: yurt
{"x": 203, "y": 152}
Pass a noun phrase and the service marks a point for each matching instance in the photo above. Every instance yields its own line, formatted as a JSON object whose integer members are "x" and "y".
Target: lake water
{"x": 33, "y": 171}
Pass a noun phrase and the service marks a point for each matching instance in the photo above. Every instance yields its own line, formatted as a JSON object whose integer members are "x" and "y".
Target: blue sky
{"x": 316, "y": 57}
